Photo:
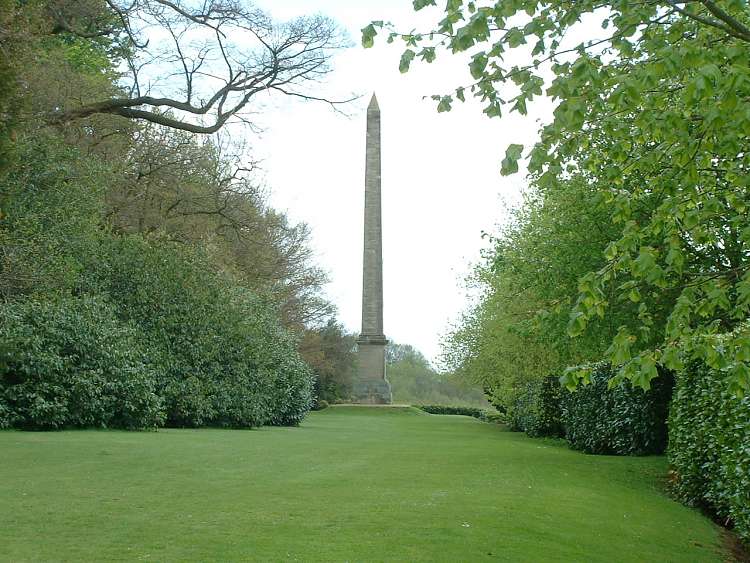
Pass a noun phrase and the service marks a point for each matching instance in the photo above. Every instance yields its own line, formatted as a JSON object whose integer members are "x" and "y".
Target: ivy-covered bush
{"x": 224, "y": 359}
{"x": 709, "y": 445}
{"x": 537, "y": 410}
{"x": 72, "y": 363}
{"x": 623, "y": 420}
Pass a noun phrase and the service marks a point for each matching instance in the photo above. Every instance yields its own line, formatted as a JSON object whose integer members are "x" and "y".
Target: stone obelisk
{"x": 370, "y": 384}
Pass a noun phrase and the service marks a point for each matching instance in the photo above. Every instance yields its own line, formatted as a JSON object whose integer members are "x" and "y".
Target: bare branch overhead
{"x": 196, "y": 65}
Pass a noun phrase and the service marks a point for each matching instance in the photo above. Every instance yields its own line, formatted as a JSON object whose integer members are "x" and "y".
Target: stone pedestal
{"x": 371, "y": 385}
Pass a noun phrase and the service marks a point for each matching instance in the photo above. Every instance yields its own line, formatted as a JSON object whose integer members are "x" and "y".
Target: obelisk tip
{"x": 373, "y": 103}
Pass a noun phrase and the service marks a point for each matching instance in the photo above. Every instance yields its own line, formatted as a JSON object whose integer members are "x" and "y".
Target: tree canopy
{"x": 144, "y": 278}
{"x": 186, "y": 65}
{"x": 652, "y": 115}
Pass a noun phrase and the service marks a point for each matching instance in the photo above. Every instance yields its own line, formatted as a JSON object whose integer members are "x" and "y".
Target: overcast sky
{"x": 441, "y": 185}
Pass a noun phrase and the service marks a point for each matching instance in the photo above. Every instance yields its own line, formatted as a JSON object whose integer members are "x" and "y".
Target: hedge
{"x": 72, "y": 363}
{"x": 623, "y": 420}
{"x": 448, "y": 409}
{"x": 224, "y": 358}
{"x": 709, "y": 445}
{"x": 155, "y": 337}
{"x": 538, "y": 410}
{"x": 485, "y": 415}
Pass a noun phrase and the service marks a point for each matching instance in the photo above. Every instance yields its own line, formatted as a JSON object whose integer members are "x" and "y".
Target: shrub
{"x": 447, "y": 409}
{"x": 548, "y": 420}
{"x": 223, "y": 357}
{"x": 492, "y": 416}
{"x": 623, "y": 420}
{"x": 72, "y": 363}
{"x": 485, "y": 415}
{"x": 709, "y": 445}
{"x": 522, "y": 409}
{"x": 537, "y": 410}
{"x": 320, "y": 404}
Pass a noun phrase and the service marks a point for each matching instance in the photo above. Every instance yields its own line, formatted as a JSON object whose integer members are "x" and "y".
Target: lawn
{"x": 351, "y": 484}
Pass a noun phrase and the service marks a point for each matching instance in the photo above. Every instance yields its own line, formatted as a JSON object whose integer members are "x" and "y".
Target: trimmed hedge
{"x": 538, "y": 409}
{"x": 484, "y": 415}
{"x": 447, "y": 409}
{"x": 623, "y": 420}
{"x": 709, "y": 445}
{"x": 72, "y": 363}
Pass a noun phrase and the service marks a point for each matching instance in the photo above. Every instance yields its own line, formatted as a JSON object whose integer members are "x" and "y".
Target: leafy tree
{"x": 196, "y": 191}
{"x": 329, "y": 351}
{"x": 528, "y": 282}
{"x": 395, "y": 352}
{"x": 414, "y": 380}
{"x": 652, "y": 113}
{"x": 196, "y": 298}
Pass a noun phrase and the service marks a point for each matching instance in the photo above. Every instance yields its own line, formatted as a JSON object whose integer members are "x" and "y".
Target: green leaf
{"x": 419, "y": 4}
{"x": 510, "y": 162}
{"x": 477, "y": 65}
{"x": 368, "y": 36}
{"x": 444, "y": 104}
{"x": 406, "y": 59}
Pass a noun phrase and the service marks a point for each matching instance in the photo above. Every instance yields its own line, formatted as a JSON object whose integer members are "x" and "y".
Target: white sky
{"x": 441, "y": 185}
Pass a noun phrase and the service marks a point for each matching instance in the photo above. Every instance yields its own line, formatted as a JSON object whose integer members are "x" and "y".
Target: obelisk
{"x": 370, "y": 384}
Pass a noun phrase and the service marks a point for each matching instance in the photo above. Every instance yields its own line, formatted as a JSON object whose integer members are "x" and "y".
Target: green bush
{"x": 224, "y": 359}
{"x": 72, "y": 363}
{"x": 521, "y": 415}
{"x": 446, "y": 409}
{"x": 320, "y": 405}
{"x": 709, "y": 445}
{"x": 548, "y": 421}
{"x": 538, "y": 410}
{"x": 492, "y": 416}
{"x": 485, "y": 415}
{"x": 623, "y": 420}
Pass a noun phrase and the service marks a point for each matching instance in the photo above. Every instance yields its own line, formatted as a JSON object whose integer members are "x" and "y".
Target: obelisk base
{"x": 370, "y": 385}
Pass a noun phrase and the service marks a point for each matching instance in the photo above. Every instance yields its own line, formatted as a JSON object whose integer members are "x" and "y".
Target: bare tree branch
{"x": 226, "y": 52}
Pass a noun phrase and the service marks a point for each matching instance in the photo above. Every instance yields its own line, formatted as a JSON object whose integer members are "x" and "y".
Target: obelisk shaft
{"x": 372, "y": 278}
{"x": 370, "y": 384}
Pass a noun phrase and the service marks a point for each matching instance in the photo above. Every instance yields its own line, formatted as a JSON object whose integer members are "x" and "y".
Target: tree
{"x": 395, "y": 352}
{"x": 191, "y": 65}
{"x": 196, "y": 191}
{"x": 414, "y": 380}
{"x": 654, "y": 115}
{"x": 329, "y": 350}
{"x": 528, "y": 283}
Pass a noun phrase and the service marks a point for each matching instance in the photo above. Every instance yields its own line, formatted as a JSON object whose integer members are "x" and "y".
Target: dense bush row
{"x": 100, "y": 329}
{"x": 708, "y": 430}
{"x": 709, "y": 445}
{"x": 448, "y": 409}
{"x": 73, "y": 363}
{"x": 623, "y": 419}
{"x": 81, "y": 362}
{"x": 485, "y": 415}
{"x": 224, "y": 358}
{"x": 537, "y": 410}
{"x": 596, "y": 418}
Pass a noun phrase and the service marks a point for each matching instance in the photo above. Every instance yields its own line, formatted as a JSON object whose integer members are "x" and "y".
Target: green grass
{"x": 352, "y": 484}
